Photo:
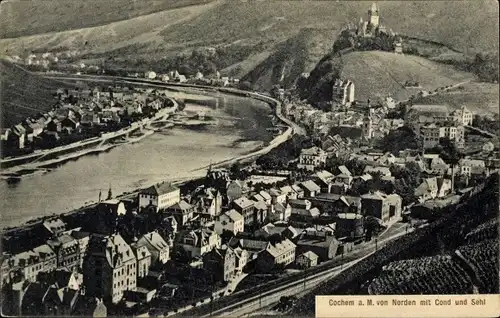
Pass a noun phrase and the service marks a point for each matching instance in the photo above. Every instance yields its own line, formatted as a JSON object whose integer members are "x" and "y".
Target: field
{"x": 482, "y": 98}
{"x": 21, "y": 18}
{"x": 24, "y": 94}
{"x": 379, "y": 74}
{"x": 273, "y": 40}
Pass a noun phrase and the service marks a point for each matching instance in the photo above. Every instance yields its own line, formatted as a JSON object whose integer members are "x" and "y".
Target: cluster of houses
{"x": 198, "y": 78}
{"x": 47, "y": 59}
{"x": 83, "y": 112}
{"x": 223, "y": 226}
{"x": 433, "y": 122}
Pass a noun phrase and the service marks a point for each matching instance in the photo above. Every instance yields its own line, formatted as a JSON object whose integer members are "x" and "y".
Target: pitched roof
{"x": 279, "y": 248}
{"x": 159, "y": 189}
{"x": 377, "y": 195}
{"x": 54, "y": 225}
{"x": 275, "y": 192}
{"x": 114, "y": 247}
{"x": 297, "y": 189}
{"x": 324, "y": 175}
{"x": 260, "y": 205}
{"x": 249, "y": 244}
{"x": 155, "y": 240}
{"x": 313, "y": 151}
{"x": 310, "y": 186}
{"x": 298, "y": 203}
{"x": 265, "y": 195}
{"x": 309, "y": 255}
{"x": 181, "y": 205}
{"x": 343, "y": 170}
{"x": 286, "y": 189}
{"x": 258, "y": 197}
{"x": 383, "y": 170}
{"x": 243, "y": 202}
{"x": 316, "y": 240}
{"x": 234, "y": 215}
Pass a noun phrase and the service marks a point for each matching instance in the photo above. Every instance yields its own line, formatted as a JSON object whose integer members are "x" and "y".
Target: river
{"x": 167, "y": 155}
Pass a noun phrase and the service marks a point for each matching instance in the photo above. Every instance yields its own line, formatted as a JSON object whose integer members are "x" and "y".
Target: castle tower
{"x": 374, "y": 15}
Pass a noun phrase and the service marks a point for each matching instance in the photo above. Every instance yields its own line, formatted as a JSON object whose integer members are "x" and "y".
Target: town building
{"x": 157, "y": 247}
{"x": 310, "y": 188}
{"x": 283, "y": 230}
{"x": 432, "y": 188}
{"x": 325, "y": 180}
{"x": 220, "y": 262}
{"x": 235, "y": 190}
{"x": 282, "y": 212}
{"x": 245, "y": 207}
{"x": 113, "y": 206}
{"x": 469, "y": 167}
{"x": 349, "y": 225}
{"x": 198, "y": 242}
{"x": 321, "y": 243}
{"x": 54, "y": 227}
{"x": 432, "y": 133}
{"x": 241, "y": 258}
{"x": 302, "y": 211}
{"x": 231, "y": 221}
{"x": 387, "y": 208}
{"x": 143, "y": 257}
{"x": 312, "y": 158}
{"x": 182, "y": 211}
{"x": 82, "y": 238}
{"x": 277, "y": 255}
{"x": 463, "y": 115}
{"x": 159, "y": 196}
{"x": 306, "y": 260}
{"x": 67, "y": 250}
{"x": 279, "y": 196}
{"x": 109, "y": 267}
{"x": 208, "y": 201}
{"x": 47, "y": 256}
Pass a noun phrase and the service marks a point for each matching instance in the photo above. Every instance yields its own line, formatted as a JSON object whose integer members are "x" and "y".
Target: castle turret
{"x": 374, "y": 15}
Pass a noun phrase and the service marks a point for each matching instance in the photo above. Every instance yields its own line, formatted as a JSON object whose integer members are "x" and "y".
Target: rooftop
{"x": 159, "y": 189}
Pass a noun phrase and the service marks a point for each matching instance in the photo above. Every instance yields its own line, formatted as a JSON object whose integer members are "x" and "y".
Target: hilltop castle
{"x": 372, "y": 27}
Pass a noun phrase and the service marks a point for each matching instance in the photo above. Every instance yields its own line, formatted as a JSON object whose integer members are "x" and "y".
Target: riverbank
{"x": 128, "y": 170}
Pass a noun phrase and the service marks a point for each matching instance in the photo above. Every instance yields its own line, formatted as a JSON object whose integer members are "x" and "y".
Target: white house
{"x": 312, "y": 158}
{"x": 150, "y": 75}
{"x": 432, "y": 188}
{"x": 200, "y": 241}
{"x": 160, "y": 196}
{"x": 157, "y": 246}
{"x": 230, "y": 221}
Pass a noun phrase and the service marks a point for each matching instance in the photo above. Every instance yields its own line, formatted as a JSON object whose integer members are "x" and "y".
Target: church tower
{"x": 374, "y": 15}
{"x": 367, "y": 130}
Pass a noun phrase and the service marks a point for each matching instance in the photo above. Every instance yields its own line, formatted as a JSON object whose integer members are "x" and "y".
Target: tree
{"x": 451, "y": 155}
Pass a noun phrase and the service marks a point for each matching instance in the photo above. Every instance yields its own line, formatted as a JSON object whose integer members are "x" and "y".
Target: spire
{"x": 110, "y": 193}
{"x": 374, "y": 8}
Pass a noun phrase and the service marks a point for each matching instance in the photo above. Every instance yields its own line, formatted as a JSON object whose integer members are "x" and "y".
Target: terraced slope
{"x": 378, "y": 74}
{"x": 428, "y": 275}
{"x": 23, "y": 94}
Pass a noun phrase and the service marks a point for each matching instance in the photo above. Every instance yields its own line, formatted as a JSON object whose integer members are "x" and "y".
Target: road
{"x": 247, "y": 301}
